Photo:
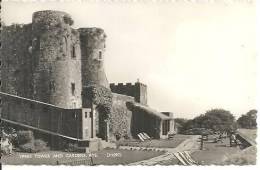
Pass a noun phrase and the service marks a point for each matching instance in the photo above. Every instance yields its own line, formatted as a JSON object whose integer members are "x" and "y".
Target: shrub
{"x": 33, "y": 146}
{"x": 6, "y": 146}
{"x": 24, "y": 137}
{"x": 9, "y": 132}
{"x": 40, "y": 145}
{"x": 72, "y": 147}
{"x": 28, "y": 147}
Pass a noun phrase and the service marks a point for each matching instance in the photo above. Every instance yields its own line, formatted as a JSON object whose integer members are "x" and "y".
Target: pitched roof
{"x": 148, "y": 110}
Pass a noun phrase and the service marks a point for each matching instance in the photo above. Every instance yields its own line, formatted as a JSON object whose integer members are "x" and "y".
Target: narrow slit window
{"x": 73, "y": 89}
{"x": 74, "y": 105}
{"x": 52, "y": 86}
{"x": 100, "y": 55}
{"x": 73, "y": 52}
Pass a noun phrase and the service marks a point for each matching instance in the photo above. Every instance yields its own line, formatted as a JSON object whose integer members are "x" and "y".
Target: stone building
{"x": 53, "y": 82}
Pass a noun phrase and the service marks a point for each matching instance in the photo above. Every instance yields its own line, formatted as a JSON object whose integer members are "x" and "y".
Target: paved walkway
{"x": 189, "y": 144}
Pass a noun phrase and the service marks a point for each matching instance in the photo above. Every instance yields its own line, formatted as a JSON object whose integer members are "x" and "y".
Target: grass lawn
{"x": 214, "y": 153}
{"x": 162, "y": 143}
{"x": 104, "y": 157}
{"x": 250, "y": 133}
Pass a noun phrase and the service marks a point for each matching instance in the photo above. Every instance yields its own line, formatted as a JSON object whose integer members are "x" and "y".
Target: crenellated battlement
{"x": 127, "y": 84}
{"x": 137, "y": 90}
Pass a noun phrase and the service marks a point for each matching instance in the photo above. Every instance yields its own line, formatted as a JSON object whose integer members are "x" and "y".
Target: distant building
{"x": 53, "y": 82}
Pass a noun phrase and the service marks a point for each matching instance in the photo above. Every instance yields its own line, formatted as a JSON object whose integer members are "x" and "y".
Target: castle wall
{"x": 66, "y": 122}
{"x": 137, "y": 90}
{"x": 48, "y": 61}
{"x": 16, "y": 73}
{"x": 57, "y": 63}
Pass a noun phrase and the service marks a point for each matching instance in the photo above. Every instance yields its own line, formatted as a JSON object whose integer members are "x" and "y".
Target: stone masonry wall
{"x": 57, "y": 61}
{"x": 16, "y": 60}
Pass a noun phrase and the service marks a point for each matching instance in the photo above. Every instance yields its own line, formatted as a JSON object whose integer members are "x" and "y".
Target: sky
{"x": 193, "y": 56}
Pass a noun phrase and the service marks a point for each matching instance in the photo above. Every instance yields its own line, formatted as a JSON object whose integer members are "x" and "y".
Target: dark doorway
{"x": 101, "y": 123}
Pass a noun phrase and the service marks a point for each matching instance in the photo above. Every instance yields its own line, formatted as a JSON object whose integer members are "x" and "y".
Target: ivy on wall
{"x": 118, "y": 122}
{"x": 100, "y": 96}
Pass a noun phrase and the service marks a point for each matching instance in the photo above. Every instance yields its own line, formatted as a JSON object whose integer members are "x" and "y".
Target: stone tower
{"x": 92, "y": 51}
{"x": 57, "y": 60}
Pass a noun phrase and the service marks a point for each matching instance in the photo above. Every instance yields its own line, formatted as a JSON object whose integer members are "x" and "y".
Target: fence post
{"x": 201, "y": 143}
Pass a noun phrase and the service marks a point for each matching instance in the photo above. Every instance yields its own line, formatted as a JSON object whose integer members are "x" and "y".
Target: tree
{"x": 180, "y": 124}
{"x": 215, "y": 119}
{"x": 248, "y": 120}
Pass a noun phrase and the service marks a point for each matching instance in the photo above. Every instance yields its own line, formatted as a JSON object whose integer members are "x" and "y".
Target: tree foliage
{"x": 248, "y": 120}
{"x": 215, "y": 119}
{"x": 180, "y": 123}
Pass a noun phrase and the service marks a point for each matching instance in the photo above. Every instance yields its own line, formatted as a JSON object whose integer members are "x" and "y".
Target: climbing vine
{"x": 119, "y": 123}
{"x": 100, "y": 96}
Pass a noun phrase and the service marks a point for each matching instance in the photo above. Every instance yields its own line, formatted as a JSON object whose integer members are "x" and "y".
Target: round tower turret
{"x": 57, "y": 64}
{"x": 92, "y": 51}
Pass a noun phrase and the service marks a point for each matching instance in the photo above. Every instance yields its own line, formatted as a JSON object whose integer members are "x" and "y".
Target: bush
{"x": 9, "y": 132}
{"x": 71, "y": 147}
{"x": 40, "y": 145}
{"x": 34, "y": 146}
{"x": 28, "y": 147}
{"x": 6, "y": 146}
{"x": 25, "y": 137}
